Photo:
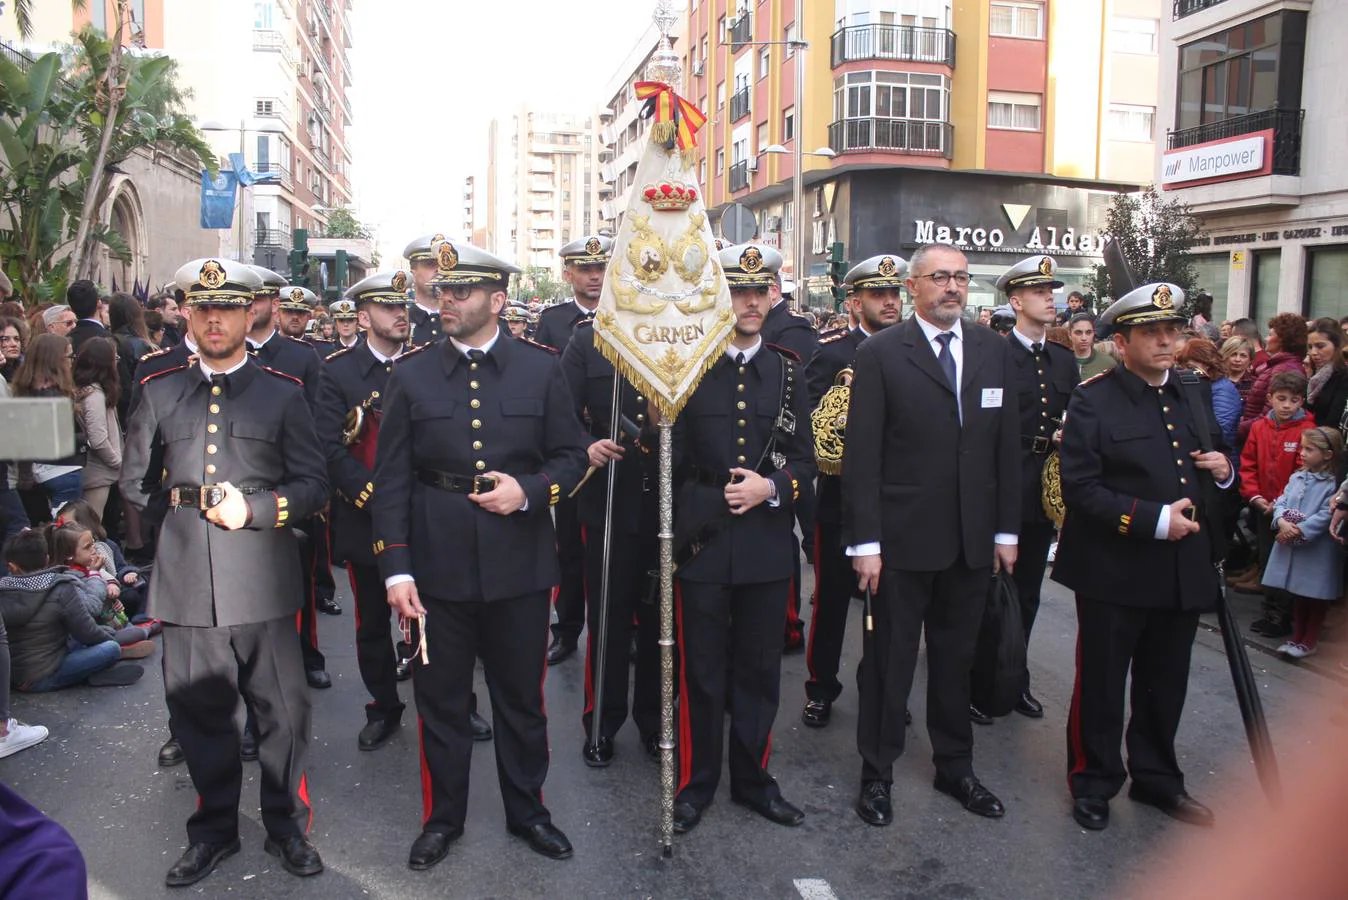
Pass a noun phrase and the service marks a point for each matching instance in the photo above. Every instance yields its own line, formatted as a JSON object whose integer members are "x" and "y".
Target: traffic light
{"x": 299, "y": 259}
{"x": 837, "y": 271}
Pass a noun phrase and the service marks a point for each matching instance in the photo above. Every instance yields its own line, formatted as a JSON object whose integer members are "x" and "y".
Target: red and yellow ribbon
{"x": 673, "y": 114}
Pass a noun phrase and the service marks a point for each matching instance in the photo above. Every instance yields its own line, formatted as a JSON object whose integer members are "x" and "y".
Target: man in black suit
{"x": 1143, "y": 530}
{"x": 584, "y": 262}
{"x": 477, "y": 442}
{"x": 424, "y": 313}
{"x": 745, "y": 458}
{"x": 84, "y": 301}
{"x": 933, "y": 435}
{"x": 1045, "y": 374}
{"x": 875, "y": 287}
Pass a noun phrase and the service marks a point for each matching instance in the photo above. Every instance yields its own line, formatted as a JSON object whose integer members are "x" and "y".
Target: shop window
{"x": 1212, "y": 273}
{"x": 1326, "y": 274}
{"x": 1267, "y": 272}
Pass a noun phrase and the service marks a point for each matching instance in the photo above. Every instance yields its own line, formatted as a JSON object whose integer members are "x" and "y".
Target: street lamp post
{"x": 798, "y": 205}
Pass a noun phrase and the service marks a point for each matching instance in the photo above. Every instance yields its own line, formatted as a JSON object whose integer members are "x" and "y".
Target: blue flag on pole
{"x": 217, "y": 199}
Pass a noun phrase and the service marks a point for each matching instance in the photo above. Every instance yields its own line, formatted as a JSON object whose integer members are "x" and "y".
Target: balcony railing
{"x": 274, "y": 41}
{"x": 739, "y": 175}
{"x": 739, "y": 104}
{"x": 1189, "y": 7}
{"x": 907, "y": 43}
{"x": 322, "y": 157}
{"x": 741, "y": 32}
{"x": 1285, "y": 123}
{"x": 916, "y": 136}
{"x": 278, "y": 169}
{"x": 278, "y": 236}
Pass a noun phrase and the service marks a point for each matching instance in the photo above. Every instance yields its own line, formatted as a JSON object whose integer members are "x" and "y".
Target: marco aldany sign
{"x": 1242, "y": 157}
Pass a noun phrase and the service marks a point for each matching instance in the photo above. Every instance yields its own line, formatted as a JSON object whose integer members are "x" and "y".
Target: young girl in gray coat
{"x": 1305, "y": 561}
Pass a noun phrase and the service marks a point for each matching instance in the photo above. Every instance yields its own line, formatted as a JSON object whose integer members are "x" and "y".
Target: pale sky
{"x": 430, "y": 75}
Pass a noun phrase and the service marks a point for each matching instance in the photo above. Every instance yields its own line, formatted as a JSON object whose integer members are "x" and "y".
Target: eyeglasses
{"x": 459, "y": 292}
{"x": 942, "y": 278}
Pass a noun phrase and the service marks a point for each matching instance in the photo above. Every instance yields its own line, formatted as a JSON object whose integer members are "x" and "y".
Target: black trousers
{"x": 570, "y": 598}
{"x": 315, "y": 537}
{"x": 511, "y": 637}
{"x": 630, "y": 560}
{"x": 742, "y": 623}
{"x": 374, "y": 643}
{"x": 1031, "y": 560}
{"x": 205, "y": 671}
{"x": 1156, "y": 645}
{"x": 795, "y": 628}
{"x": 324, "y": 584}
{"x": 834, "y": 585}
{"x": 949, "y": 605}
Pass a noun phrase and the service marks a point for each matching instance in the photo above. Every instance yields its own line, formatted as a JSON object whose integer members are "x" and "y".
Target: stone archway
{"x": 124, "y": 214}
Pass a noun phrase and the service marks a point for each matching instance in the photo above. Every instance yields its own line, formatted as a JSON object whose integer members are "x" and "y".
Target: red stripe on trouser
{"x": 355, "y": 592}
{"x": 304, "y": 796}
{"x": 767, "y": 753}
{"x": 792, "y": 614}
{"x": 425, "y": 773}
{"x": 814, "y": 612}
{"x": 1076, "y": 753}
{"x": 685, "y": 715}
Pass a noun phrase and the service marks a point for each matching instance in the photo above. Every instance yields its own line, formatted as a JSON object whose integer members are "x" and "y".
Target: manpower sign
{"x": 1242, "y": 157}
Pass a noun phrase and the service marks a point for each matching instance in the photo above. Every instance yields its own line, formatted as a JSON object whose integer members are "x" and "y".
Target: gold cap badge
{"x": 887, "y": 267}
{"x": 446, "y": 258}
{"x": 212, "y": 274}
{"x": 399, "y": 281}
{"x": 593, "y": 247}
{"x": 297, "y": 295}
{"x": 1161, "y": 298}
{"x": 1046, "y": 266}
{"x": 751, "y": 260}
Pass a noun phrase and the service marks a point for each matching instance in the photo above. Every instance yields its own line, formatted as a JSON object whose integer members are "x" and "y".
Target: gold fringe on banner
{"x": 668, "y": 411}
{"x": 662, "y": 132}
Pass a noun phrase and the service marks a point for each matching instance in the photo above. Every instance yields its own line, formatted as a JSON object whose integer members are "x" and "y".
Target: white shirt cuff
{"x": 1163, "y": 524}
{"x": 1230, "y": 479}
{"x": 525, "y": 507}
{"x": 396, "y": 579}
{"x": 871, "y": 549}
{"x": 1006, "y": 540}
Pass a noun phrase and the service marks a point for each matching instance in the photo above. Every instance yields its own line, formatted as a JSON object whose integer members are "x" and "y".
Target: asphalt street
{"x": 97, "y": 775}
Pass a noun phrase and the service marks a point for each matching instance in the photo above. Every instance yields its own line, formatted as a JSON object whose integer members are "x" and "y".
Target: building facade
{"x": 1002, "y": 126}
{"x": 542, "y": 185}
{"x": 1251, "y": 96}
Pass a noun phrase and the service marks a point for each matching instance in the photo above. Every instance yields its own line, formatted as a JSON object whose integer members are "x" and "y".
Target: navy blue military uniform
{"x": 633, "y": 555}
{"x": 731, "y": 594}
{"x": 323, "y": 348}
{"x": 425, "y": 325}
{"x": 483, "y": 578}
{"x": 350, "y": 379}
{"x": 555, "y": 327}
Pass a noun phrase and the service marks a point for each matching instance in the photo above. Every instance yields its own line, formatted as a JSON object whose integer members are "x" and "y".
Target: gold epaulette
{"x": 186, "y": 365}
{"x": 834, "y": 336}
{"x": 336, "y": 353}
{"x": 533, "y": 343}
{"x": 1096, "y": 377}
{"x": 154, "y": 353}
{"x": 413, "y": 351}
{"x": 281, "y": 374}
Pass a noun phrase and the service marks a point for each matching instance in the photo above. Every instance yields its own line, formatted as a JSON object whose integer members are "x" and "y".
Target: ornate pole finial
{"x": 664, "y": 65}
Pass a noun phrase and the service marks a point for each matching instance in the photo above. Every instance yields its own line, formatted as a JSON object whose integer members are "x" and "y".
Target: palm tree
{"x": 23, "y": 15}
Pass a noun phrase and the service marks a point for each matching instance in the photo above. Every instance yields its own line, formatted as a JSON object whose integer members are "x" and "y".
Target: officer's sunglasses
{"x": 942, "y": 278}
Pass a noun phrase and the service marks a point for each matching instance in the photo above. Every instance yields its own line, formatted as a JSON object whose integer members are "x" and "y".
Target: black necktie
{"x": 476, "y": 355}
{"x": 947, "y": 359}
{"x": 740, "y": 360}
{"x": 1037, "y": 348}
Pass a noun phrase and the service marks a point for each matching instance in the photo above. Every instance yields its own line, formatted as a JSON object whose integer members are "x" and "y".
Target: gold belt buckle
{"x": 483, "y": 484}
{"x": 1041, "y": 445}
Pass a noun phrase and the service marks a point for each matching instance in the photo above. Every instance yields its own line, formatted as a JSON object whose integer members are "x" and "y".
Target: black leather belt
{"x": 715, "y": 479}
{"x": 1038, "y": 444}
{"x": 457, "y": 484}
{"x": 205, "y": 496}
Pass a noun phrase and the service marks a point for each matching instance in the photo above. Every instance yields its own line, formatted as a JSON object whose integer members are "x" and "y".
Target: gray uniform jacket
{"x": 256, "y": 432}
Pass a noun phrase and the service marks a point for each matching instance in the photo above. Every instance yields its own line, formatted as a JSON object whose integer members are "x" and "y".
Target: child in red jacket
{"x": 1267, "y": 462}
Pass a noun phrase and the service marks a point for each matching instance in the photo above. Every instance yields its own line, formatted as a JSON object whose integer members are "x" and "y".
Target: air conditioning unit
{"x": 751, "y": 164}
{"x": 698, "y": 68}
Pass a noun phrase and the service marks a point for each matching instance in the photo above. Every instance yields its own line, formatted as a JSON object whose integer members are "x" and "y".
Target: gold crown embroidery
{"x": 446, "y": 257}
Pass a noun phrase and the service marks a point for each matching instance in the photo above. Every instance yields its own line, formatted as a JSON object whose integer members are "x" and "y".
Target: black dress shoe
{"x": 1177, "y": 806}
{"x": 546, "y": 839}
{"x": 1027, "y": 705}
{"x": 329, "y": 606}
{"x": 248, "y": 745}
{"x": 199, "y": 861}
{"x": 1091, "y": 812}
{"x": 403, "y": 670}
{"x": 598, "y": 756}
{"x": 686, "y": 817}
{"x": 873, "y": 803}
{"x": 376, "y": 733}
{"x": 560, "y": 649}
{"x": 171, "y": 754}
{"x": 969, "y": 791}
{"x": 297, "y": 855}
{"x": 775, "y": 810}
{"x": 479, "y": 727}
{"x": 978, "y": 717}
{"x": 317, "y": 678}
{"x": 816, "y": 713}
{"x": 429, "y": 848}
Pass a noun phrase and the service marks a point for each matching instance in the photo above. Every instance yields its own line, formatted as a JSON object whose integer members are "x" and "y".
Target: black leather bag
{"x": 999, "y": 672}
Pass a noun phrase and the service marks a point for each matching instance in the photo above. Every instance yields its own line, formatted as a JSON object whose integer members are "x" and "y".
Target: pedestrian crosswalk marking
{"x": 814, "y": 889}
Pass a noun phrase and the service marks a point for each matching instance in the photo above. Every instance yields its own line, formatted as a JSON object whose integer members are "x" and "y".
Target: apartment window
{"x": 1013, "y": 111}
{"x": 740, "y": 150}
{"x": 720, "y": 95}
{"x": 262, "y": 14}
{"x": 1132, "y": 123}
{"x": 1018, "y": 20}
{"x": 891, "y": 95}
{"x": 1252, "y": 67}
{"x": 1134, "y": 35}
{"x": 789, "y": 216}
{"x": 789, "y": 36}
{"x": 702, "y": 171}
{"x": 704, "y": 57}
{"x": 1326, "y": 269}
{"x": 720, "y": 161}
{"x": 762, "y": 136}
{"x": 764, "y": 60}
{"x": 720, "y": 29}
{"x": 788, "y": 124}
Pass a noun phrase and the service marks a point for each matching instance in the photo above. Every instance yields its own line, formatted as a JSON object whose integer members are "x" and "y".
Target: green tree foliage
{"x": 1156, "y": 236}
{"x": 538, "y": 282}
{"x": 23, "y": 15}
{"x": 342, "y": 223}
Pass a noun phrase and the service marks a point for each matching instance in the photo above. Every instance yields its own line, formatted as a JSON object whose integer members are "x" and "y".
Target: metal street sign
{"x": 738, "y": 224}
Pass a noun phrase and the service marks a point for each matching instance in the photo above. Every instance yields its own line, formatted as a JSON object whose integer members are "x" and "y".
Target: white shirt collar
{"x": 191, "y": 344}
{"x": 485, "y": 348}
{"x": 1025, "y": 342}
{"x": 354, "y": 341}
{"x": 262, "y": 343}
{"x": 930, "y": 331}
{"x": 864, "y": 330}
{"x": 381, "y": 357}
{"x": 208, "y": 372}
{"x": 732, "y": 352}
{"x": 427, "y": 310}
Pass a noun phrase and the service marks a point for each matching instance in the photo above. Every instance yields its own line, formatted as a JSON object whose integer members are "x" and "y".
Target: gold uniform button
{"x": 215, "y": 391}
{"x": 641, "y": 417}
{"x": 215, "y": 409}
{"x": 477, "y": 445}
{"x": 211, "y": 449}
{"x": 1179, "y": 462}
{"x": 740, "y": 459}
{"x": 741, "y": 423}
{"x": 1175, "y": 444}
{"x": 741, "y": 405}
{"x": 480, "y": 465}
{"x": 374, "y": 394}
{"x": 475, "y": 403}
{"x": 740, "y": 388}
{"x": 741, "y": 370}
{"x": 1184, "y": 481}
{"x": 1170, "y": 427}
{"x": 477, "y": 423}
{"x": 739, "y": 441}
{"x": 1043, "y": 427}
{"x": 1165, "y": 409}
{"x": 213, "y": 428}
{"x": 210, "y": 470}
{"x": 1043, "y": 400}
{"x": 640, "y": 399}
{"x": 386, "y": 369}
{"x": 473, "y": 385}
